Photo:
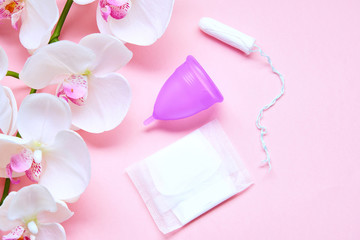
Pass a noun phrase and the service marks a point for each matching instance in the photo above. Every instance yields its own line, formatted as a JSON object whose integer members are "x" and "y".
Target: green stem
{"x": 55, "y": 36}
{"x": 12, "y": 74}
{"x": 6, "y": 190}
{"x": 16, "y": 75}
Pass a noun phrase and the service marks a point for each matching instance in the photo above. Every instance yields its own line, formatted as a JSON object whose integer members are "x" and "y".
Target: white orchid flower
{"x": 85, "y": 73}
{"x": 139, "y": 22}
{"x": 8, "y": 106}
{"x": 32, "y": 213}
{"x": 38, "y": 18}
{"x": 48, "y": 152}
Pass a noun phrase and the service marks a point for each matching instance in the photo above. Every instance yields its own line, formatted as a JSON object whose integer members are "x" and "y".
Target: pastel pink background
{"x": 313, "y": 191}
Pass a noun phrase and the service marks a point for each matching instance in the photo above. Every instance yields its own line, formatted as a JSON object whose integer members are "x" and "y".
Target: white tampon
{"x": 227, "y": 34}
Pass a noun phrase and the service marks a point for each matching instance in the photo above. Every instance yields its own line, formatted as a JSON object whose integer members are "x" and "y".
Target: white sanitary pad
{"x": 189, "y": 177}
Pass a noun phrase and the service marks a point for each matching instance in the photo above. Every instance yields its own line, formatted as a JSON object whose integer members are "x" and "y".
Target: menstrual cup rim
{"x": 213, "y": 90}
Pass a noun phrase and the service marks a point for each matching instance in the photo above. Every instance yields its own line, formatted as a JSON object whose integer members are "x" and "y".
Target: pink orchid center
{"x": 117, "y": 9}
{"x": 24, "y": 232}
{"x": 22, "y": 161}
{"x": 10, "y": 8}
{"x": 74, "y": 88}
{"x": 26, "y": 161}
{"x": 16, "y": 233}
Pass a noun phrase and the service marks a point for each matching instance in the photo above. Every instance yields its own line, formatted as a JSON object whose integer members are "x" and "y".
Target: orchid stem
{"x": 55, "y": 36}
{"x": 16, "y": 75}
{"x": 6, "y": 190}
{"x": 12, "y": 74}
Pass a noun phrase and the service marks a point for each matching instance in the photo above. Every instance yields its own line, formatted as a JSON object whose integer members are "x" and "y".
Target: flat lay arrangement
{"x": 164, "y": 119}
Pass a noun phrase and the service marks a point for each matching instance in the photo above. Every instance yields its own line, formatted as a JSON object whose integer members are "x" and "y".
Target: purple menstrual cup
{"x": 188, "y": 90}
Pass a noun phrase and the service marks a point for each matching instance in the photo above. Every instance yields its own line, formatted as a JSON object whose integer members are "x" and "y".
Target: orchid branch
{"x": 16, "y": 75}
{"x": 12, "y": 74}
{"x": 55, "y": 36}
{"x": 33, "y": 91}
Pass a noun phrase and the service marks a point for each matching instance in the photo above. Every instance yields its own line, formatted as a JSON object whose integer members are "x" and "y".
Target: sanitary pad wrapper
{"x": 189, "y": 177}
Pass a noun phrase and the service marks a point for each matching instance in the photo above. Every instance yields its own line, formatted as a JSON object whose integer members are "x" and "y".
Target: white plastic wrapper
{"x": 189, "y": 177}
{"x": 227, "y": 34}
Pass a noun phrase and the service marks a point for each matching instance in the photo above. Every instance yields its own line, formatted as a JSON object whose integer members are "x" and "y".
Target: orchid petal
{"x": 119, "y": 8}
{"x": 9, "y": 146}
{"x": 53, "y": 231}
{"x": 5, "y": 112}
{"x": 5, "y": 223}
{"x": 83, "y": 2}
{"x": 34, "y": 173}
{"x": 42, "y": 116}
{"x": 144, "y": 23}
{"x": 4, "y": 63}
{"x": 106, "y": 106}
{"x": 22, "y": 161}
{"x": 76, "y": 87}
{"x": 111, "y": 53}
{"x": 15, "y": 17}
{"x": 102, "y": 24}
{"x": 9, "y": 173}
{"x": 12, "y": 127}
{"x": 62, "y": 214}
{"x": 16, "y": 233}
{"x": 38, "y": 20}
{"x": 51, "y": 64}
{"x": 68, "y": 166}
{"x": 29, "y": 201}
{"x": 105, "y": 12}
{"x": 8, "y": 111}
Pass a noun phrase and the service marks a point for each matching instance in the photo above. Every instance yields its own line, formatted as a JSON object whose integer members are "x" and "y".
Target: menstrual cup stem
{"x": 149, "y": 120}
